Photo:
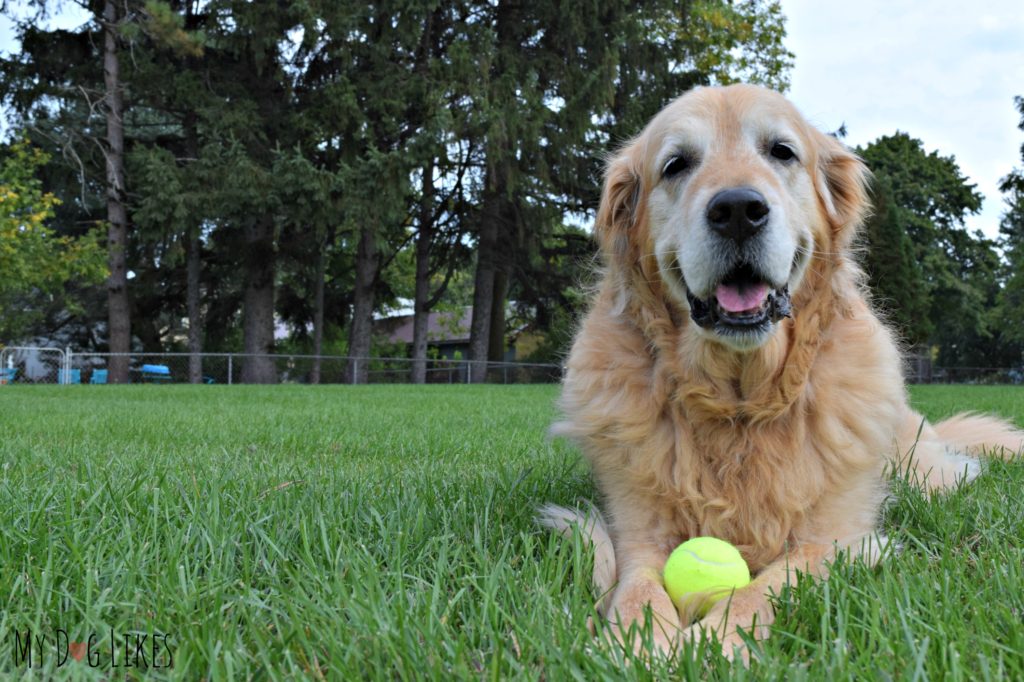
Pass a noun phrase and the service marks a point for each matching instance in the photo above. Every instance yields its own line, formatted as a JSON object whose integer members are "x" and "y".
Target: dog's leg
{"x": 640, "y": 588}
{"x": 749, "y": 609}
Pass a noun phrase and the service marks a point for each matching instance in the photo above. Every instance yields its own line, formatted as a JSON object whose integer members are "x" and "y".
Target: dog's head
{"x": 726, "y": 197}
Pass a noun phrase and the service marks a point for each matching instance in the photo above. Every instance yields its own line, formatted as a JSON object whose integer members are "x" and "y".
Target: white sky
{"x": 944, "y": 71}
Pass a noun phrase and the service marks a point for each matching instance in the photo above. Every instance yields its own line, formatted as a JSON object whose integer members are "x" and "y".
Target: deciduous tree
{"x": 35, "y": 262}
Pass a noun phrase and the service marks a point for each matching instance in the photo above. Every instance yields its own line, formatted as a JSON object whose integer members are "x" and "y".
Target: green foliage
{"x": 894, "y": 273}
{"x": 740, "y": 42}
{"x": 1011, "y": 298}
{"x": 164, "y": 202}
{"x": 166, "y": 28}
{"x": 928, "y": 185}
{"x": 554, "y": 292}
{"x": 953, "y": 272}
{"x": 321, "y": 117}
{"x": 1010, "y": 312}
{"x": 35, "y": 263}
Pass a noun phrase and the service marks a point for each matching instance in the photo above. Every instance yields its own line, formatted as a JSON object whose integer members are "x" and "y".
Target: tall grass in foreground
{"x": 387, "y": 532}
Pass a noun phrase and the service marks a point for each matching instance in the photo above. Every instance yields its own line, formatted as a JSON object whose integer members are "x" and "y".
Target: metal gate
{"x": 27, "y": 365}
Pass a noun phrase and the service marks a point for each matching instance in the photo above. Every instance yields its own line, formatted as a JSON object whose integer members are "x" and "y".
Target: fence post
{"x": 355, "y": 371}
{"x": 230, "y": 356}
{"x": 67, "y": 365}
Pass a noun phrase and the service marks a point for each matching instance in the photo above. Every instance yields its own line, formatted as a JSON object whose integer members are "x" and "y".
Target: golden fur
{"x": 779, "y": 449}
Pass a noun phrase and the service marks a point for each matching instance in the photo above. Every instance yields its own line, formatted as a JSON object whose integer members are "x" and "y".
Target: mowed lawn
{"x": 387, "y": 532}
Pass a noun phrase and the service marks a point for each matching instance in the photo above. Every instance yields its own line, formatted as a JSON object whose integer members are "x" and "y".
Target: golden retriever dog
{"x": 731, "y": 378}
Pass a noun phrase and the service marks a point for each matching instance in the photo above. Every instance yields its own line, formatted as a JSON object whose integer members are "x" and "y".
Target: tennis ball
{"x": 702, "y": 571}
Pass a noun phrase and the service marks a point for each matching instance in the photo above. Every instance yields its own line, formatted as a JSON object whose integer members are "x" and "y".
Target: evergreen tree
{"x": 894, "y": 274}
{"x": 559, "y": 88}
{"x": 118, "y": 306}
{"x": 367, "y": 106}
{"x": 930, "y": 198}
{"x": 301, "y": 161}
{"x": 170, "y": 200}
{"x": 1010, "y": 312}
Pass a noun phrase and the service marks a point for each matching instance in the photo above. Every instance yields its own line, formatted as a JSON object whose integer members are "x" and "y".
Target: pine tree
{"x": 559, "y": 89}
{"x": 930, "y": 199}
{"x": 171, "y": 196}
{"x": 897, "y": 282}
{"x": 1011, "y": 228}
{"x": 297, "y": 160}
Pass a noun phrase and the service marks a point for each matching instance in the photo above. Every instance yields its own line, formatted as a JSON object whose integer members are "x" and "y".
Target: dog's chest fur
{"x": 668, "y": 472}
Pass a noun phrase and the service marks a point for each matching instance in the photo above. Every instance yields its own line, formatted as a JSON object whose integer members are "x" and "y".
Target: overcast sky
{"x": 944, "y": 71}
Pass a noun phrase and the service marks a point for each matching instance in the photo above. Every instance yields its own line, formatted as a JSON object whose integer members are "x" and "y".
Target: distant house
{"x": 447, "y": 331}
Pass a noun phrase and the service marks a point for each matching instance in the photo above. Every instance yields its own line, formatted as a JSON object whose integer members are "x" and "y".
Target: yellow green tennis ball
{"x": 703, "y": 570}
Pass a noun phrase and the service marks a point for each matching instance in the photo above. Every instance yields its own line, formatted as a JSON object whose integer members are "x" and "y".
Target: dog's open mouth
{"x": 742, "y": 302}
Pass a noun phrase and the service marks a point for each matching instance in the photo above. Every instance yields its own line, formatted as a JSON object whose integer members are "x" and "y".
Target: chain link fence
{"x": 971, "y": 375}
{"x": 55, "y": 366}
{"x": 919, "y": 369}
{"x": 29, "y": 365}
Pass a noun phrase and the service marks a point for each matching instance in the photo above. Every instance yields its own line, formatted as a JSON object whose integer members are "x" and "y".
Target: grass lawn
{"x": 386, "y": 532}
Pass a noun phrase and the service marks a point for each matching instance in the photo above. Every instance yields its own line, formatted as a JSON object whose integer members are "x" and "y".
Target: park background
{"x": 252, "y": 177}
{"x": 417, "y": 180}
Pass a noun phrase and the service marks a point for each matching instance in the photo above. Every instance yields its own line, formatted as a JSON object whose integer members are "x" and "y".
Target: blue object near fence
{"x": 65, "y": 376}
{"x": 7, "y": 375}
{"x": 99, "y": 376}
{"x": 156, "y": 373}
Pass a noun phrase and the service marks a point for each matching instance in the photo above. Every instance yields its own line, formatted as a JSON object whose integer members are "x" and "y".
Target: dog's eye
{"x": 782, "y": 151}
{"x": 676, "y": 165}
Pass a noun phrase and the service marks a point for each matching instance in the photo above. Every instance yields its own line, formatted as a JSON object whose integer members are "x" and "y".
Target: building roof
{"x": 447, "y": 326}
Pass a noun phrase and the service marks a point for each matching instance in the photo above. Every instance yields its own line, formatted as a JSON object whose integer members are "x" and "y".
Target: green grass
{"x": 387, "y": 532}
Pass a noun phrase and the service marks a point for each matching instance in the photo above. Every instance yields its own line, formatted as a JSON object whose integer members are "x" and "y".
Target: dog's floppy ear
{"x": 619, "y": 213}
{"x": 842, "y": 180}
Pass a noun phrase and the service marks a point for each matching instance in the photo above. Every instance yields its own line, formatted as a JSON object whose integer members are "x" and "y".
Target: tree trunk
{"x": 258, "y": 305}
{"x": 361, "y": 332}
{"x": 146, "y": 331}
{"x": 496, "y": 202}
{"x": 193, "y": 271}
{"x": 421, "y": 301}
{"x": 193, "y": 266}
{"x": 421, "y": 313}
{"x": 483, "y": 299}
{"x": 318, "y": 312}
{"x": 425, "y": 233}
{"x": 496, "y": 342}
{"x": 497, "y": 211}
{"x": 119, "y": 333}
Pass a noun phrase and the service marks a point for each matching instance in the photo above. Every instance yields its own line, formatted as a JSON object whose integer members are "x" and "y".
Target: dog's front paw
{"x": 729, "y": 643}
{"x": 733, "y": 625}
{"x": 658, "y": 642}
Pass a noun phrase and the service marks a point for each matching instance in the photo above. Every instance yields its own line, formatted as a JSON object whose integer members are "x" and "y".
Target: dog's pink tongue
{"x": 736, "y": 299}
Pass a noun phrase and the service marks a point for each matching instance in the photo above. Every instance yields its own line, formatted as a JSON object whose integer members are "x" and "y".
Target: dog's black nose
{"x": 738, "y": 213}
